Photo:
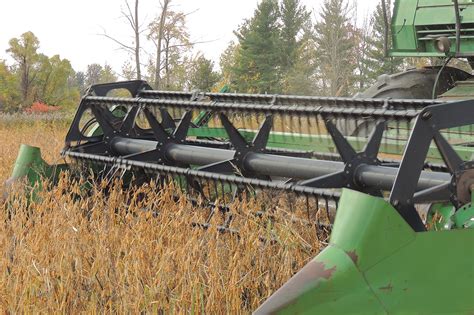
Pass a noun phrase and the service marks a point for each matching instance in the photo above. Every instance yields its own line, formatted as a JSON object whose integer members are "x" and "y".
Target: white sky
{"x": 70, "y": 28}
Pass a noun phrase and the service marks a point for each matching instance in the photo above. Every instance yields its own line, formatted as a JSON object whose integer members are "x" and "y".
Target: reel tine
{"x": 307, "y": 207}
{"x": 327, "y": 209}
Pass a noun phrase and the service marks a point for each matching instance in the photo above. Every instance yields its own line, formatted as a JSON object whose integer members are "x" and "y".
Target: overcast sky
{"x": 70, "y": 28}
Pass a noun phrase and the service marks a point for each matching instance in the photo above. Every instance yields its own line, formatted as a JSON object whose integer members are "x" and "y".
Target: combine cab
{"x": 396, "y": 170}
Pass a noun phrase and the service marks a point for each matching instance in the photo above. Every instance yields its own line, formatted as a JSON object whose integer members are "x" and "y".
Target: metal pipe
{"x": 290, "y": 167}
{"x": 274, "y": 165}
{"x": 458, "y": 27}
{"x": 384, "y": 177}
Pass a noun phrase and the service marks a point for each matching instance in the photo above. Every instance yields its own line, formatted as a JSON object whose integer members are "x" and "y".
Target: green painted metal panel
{"x": 407, "y": 272}
{"x": 324, "y": 143}
{"x": 30, "y": 165}
{"x": 416, "y": 24}
{"x": 441, "y": 12}
{"x": 329, "y": 284}
{"x": 462, "y": 90}
{"x": 369, "y": 229}
{"x": 432, "y": 275}
{"x": 32, "y": 169}
{"x": 403, "y": 30}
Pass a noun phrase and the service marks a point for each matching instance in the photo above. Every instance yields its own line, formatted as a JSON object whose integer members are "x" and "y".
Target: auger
{"x": 378, "y": 161}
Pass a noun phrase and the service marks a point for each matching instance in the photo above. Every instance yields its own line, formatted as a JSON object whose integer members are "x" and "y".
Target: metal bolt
{"x": 426, "y": 115}
{"x": 396, "y": 202}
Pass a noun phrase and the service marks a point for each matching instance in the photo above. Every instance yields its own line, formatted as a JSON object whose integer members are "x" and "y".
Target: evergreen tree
{"x": 227, "y": 64}
{"x": 295, "y": 36}
{"x": 377, "y": 62}
{"x": 336, "y": 48}
{"x": 202, "y": 76}
{"x": 364, "y": 75}
{"x": 300, "y": 78}
{"x": 257, "y": 62}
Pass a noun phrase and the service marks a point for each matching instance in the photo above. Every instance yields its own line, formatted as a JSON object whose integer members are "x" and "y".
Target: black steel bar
{"x": 379, "y": 177}
{"x": 178, "y": 171}
{"x": 458, "y": 27}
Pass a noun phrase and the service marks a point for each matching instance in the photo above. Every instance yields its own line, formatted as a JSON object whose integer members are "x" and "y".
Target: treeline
{"x": 35, "y": 77}
{"x": 283, "y": 48}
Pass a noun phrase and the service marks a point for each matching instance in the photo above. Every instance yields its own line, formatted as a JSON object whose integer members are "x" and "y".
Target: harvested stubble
{"x": 113, "y": 250}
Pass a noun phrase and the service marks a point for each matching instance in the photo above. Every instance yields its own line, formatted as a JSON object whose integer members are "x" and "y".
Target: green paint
{"x": 31, "y": 169}
{"x": 462, "y": 90}
{"x": 31, "y": 166}
{"x": 324, "y": 143}
{"x": 202, "y": 118}
{"x": 442, "y": 213}
{"x": 376, "y": 264}
{"x": 464, "y": 217}
{"x": 416, "y": 23}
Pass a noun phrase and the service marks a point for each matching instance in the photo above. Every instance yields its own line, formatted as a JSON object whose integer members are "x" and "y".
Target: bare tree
{"x": 171, "y": 38}
{"x": 158, "y": 38}
{"x": 132, "y": 19}
{"x": 362, "y": 46}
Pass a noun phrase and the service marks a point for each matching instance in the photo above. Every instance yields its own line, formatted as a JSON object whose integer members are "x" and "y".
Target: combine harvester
{"x": 402, "y": 240}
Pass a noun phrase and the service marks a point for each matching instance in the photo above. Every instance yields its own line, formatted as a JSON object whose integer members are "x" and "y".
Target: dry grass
{"x": 88, "y": 251}
{"x": 45, "y": 132}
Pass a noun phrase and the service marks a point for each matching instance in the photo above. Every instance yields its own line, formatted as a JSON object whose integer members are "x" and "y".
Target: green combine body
{"x": 417, "y": 25}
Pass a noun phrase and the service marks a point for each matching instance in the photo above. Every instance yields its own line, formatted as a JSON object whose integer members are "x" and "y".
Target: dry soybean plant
{"x": 110, "y": 249}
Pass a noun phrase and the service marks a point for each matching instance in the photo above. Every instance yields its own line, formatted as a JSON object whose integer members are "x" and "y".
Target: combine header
{"x": 397, "y": 172}
{"x": 217, "y": 147}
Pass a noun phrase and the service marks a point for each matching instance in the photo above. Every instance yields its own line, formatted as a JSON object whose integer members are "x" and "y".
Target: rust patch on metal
{"x": 288, "y": 294}
{"x": 353, "y": 255}
{"x": 388, "y": 288}
{"x": 322, "y": 272}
